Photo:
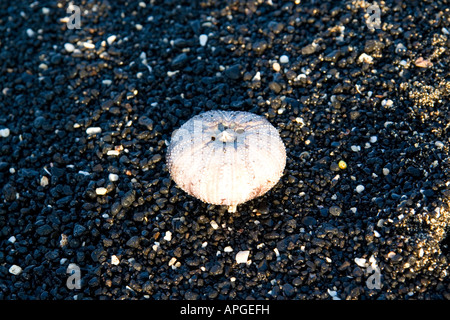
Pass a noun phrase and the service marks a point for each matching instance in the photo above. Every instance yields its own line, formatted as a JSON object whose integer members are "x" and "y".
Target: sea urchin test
{"x": 226, "y": 157}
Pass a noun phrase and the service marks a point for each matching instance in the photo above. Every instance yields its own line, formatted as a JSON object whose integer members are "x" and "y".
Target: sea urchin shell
{"x": 226, "y": 157}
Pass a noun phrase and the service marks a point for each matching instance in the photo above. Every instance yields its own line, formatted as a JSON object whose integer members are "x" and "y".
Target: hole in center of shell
{"x": 227, "y": 136}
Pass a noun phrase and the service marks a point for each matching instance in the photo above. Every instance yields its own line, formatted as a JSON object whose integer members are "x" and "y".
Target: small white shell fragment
{"x": 386, "y": 171}
{"x": 114, "y": 260}
{"x": 107, "y": 82}
{"x": 360, "y": 262}
{"x": 101, "y": 191}
{"x": 228, "y": 249}
{"x": 4, "y": 132}
{"x": 360, "y": 188}
{"x": 373, "y": 139}
{"x": 93, "y": 130}
{"x": 15, "y": 270}
{"x": 242, "y": 256}
{"x": 356, "y": 148}
{"x": 44, "y": 181}
{"x": 168, "y": 236}
{"x": 203, "y": 39}
{"x": 12, "y": 239}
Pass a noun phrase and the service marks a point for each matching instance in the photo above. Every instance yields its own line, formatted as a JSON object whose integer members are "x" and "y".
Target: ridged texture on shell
{"x": 226, "y": 157}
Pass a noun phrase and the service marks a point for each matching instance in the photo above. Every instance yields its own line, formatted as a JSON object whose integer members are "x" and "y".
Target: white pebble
{"x": 45, "y": 10}
{"x": 69, "y": 47}
{"x": 172, "y": 261}
{"x": 44, "y": 181}
{"x": 30, "y": 32}
{"x": 360, "y": 188}
{"x": 203, "y": 39}
{"x": 214, "y": 224}
{"x": 228, "y": 249}
{"x": 4, "y": 132}
{"x": 284, "y": 59}
{"x": 111, "y": 39}
{"x": 277, "y": 253}
{"x": 113, "y": 152}
{"x": 333, "y": 294}
{"x": 356, "y": 148}
{"x": 365, "y": 58}
{"x": 439, "y": 144}
{"x": 93, "y": 130}
{"x": 12, "y": 239}
{"x": 168, "y": 236}
{"x": 15, "y": 269}
{"x": 101, "y": 191}
{"x": 138, "y": 27}
{"x": 373, "y": 139}
{"x": 276, "y": 67}
{"x": 257, "y": 77}
{"x": 107, "y": 82}
{"x": 360, "y": 262}
{"x": 114, "y": 260}
{"x": 386, "y": 171}
{"x": 242, "y": 256}
{"x": 387, "y": 103}
{"x": 12, "y": 170}
{"x": 88, "y": 45}
{"x": 113, "y": 177}
{"x": 172, "y": 73}
{"x": 43, "y": 66}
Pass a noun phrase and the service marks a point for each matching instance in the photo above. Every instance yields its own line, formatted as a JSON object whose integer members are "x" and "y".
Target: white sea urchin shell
{"x": 226, "y": 157}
